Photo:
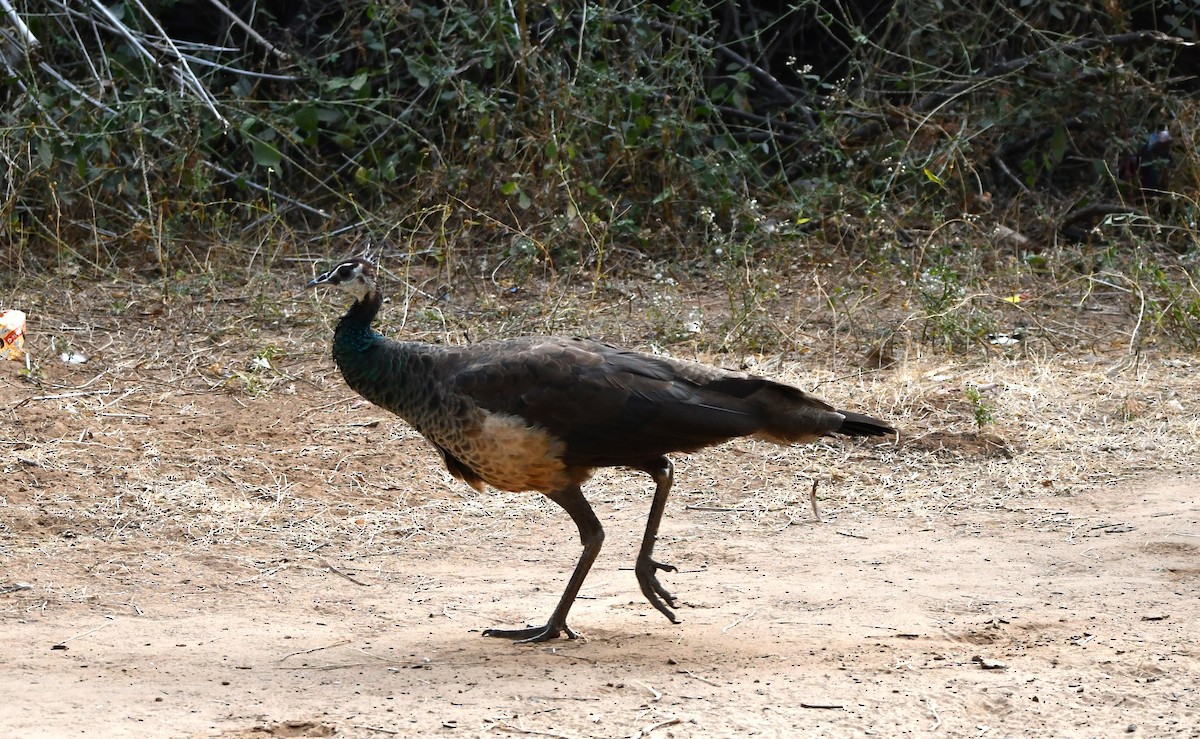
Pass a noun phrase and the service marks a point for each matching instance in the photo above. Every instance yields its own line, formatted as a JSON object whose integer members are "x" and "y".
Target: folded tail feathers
{"x": 856, "y": 424}
{"x": 795, "y": 417}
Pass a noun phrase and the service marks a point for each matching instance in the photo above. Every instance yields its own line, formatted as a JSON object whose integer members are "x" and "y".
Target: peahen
{"x": 542, "y": 413}
{"x": 1148, "y": 168}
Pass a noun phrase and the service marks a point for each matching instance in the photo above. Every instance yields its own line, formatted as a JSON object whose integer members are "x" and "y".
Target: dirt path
{"x": 1068, "y": 616}
{"x": 215, "y": 538}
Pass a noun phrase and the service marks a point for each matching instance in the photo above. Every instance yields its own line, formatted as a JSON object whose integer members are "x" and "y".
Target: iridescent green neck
{"x": 354, "y": 332}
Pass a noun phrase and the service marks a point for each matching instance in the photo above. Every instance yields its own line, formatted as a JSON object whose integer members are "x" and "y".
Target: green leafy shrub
{"x": 559, "y": 136}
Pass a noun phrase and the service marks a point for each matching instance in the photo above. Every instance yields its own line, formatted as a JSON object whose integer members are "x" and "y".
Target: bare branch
{"x": 31, "y": 42}
{"x": 237, "y": 21}
{"x": 756, "y": 71}
{"x": 940, "y": 97}
{"x": 184, "y": 74}
{"x": 171, "y": 144}
{"x": 120, "y": 28}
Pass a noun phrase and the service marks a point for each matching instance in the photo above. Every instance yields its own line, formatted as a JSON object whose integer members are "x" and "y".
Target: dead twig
{"x": 522, "y": 730}
{"x": 60, "y": 645}
{"x": 31, "y": 41}
{"x": 309, "y": 411}
{"x": 553, "y": 651}
{"x": 694, "y": 676}
{"x": 324, "y": 668}
{"x": 314, "y": 649}
{"x": 179, "y": 67}
{"x": 647, "y": 730}
{"x": 738, "y": 621}
{"x": 62, "y": 396}
{"x": 657, "y": 695}
{"x": 346, "y": 575}
{"x": 1001, "y": 165}
{"x": 1097, "y": 211}
{"x": 237, "y": 21}
{"x": 379, "y": 729}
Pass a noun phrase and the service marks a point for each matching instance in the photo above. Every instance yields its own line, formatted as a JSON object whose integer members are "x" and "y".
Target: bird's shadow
{"x": 615, "y": 645}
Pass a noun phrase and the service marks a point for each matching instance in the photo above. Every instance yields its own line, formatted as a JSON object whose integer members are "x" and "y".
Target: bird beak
{"x": 318, "y": 281}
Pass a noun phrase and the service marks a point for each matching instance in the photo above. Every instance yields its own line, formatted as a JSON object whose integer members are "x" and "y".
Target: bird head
{"x": 1158, "y": 145}
{"x": 355, "y": 275}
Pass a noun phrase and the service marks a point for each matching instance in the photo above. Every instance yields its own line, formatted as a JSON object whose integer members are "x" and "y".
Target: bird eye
{"x": 346, "y": 272}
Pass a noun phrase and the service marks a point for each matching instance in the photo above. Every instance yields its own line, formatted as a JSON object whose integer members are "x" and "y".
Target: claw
{"x": 654, "y": 591}
{"x": 660, "y": 566}
{"x": 532, "y": 634}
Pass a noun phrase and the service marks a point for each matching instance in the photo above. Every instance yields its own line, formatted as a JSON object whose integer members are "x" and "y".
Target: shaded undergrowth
{"x": 937, "y": 166}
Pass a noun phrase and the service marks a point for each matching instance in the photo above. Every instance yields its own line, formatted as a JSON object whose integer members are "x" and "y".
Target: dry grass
{"x": 218, "y": 420}
{"x": 206, "y": 497}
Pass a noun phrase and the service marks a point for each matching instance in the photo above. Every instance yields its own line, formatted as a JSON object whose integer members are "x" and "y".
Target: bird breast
{"x": 509, "y": 454}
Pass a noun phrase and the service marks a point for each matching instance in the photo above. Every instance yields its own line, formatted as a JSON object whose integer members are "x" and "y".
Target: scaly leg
{"x": 592, "y": 536}
{"x": 663, "y": 473}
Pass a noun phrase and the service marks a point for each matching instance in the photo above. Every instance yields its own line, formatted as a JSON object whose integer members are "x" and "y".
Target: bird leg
{"x": 591, "y": 533}
{"x": 663, "y": 473}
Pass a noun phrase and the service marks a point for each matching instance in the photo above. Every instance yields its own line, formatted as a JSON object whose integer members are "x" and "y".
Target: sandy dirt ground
{"x": 221, "y": 541}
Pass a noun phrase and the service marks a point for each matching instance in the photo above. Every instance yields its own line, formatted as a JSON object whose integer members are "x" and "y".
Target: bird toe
{"x": 654, "y": 591}
{"x": 532, "y": 634}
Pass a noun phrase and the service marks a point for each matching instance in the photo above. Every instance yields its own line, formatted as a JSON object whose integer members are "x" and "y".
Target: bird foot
{"x": 532, "y": 634}
{"x": 654, "y": 591}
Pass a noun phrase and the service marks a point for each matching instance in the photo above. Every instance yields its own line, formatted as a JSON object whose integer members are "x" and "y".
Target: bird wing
{"x": 610, "y": 406}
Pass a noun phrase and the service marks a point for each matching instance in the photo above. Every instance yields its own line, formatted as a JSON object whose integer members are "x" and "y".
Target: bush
{"x": 560, "y": 135}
